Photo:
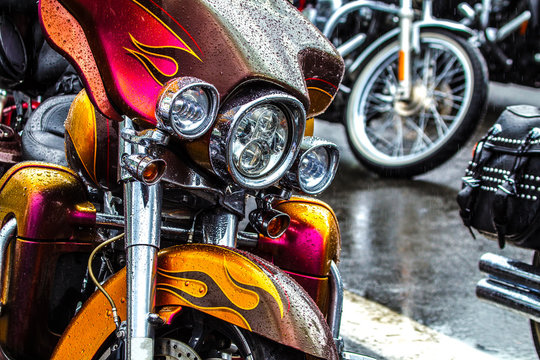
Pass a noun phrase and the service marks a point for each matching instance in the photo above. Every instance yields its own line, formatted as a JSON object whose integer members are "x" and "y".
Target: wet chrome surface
{"x": 404, "y": 246}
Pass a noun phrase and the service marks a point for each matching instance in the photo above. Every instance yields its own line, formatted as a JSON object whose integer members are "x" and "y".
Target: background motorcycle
{"x": 508, "y": 34}
{"x": 414, "y": 88}
{"x": 187, "y": 163}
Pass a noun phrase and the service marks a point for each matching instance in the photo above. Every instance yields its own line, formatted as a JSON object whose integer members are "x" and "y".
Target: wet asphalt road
{"x": 404, "y": 245}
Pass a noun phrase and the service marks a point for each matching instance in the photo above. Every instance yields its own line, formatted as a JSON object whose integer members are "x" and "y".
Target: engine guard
{"x": 229, "y": 284}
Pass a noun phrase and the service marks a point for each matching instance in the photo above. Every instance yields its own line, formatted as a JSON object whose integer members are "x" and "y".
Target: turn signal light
{"x": 144, "y": 168}
{"x": 269, "y": 222}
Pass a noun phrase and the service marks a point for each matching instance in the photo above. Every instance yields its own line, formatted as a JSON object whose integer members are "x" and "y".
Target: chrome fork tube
{"x": 404, "y": 65}
{"x": 143, "y": 223}
{"x": 142, "y": 216}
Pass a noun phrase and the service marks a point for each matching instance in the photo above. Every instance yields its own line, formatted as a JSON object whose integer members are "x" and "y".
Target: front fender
{"x": 229, "y": 284}
{"x": 451, "y": 26}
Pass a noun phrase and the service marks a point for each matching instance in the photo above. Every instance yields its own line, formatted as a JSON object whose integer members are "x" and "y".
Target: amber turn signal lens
{"x": 277, "y": 226}
{"x": 144, "y": 168}
{"x": 269, "y": 222}
{"x": 150, "y": 173}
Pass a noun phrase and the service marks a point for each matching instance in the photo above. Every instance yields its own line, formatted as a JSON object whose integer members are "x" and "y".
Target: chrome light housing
{"x": 187, "y": 107}
{"x": 256, "y": 138}
{"x": 315, "y": 167}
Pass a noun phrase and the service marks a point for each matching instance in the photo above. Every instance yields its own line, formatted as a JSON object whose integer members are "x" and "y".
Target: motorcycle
{"x": 415, "y": 87}
{"x": 508, "y": 33}
{"x": 172, "y": 229}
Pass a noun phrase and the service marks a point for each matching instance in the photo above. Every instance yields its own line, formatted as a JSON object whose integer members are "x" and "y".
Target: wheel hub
{"x": 420, "y": 99}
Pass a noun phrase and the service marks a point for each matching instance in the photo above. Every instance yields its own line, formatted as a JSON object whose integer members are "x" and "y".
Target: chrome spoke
{"x": 447, "y": 95}
{"x": 440, "y": 124}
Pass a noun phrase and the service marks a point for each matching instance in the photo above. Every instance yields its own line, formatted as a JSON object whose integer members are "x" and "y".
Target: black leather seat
{"x": 43, "y": 135}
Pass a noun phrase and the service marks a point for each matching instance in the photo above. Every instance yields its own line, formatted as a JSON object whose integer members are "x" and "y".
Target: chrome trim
{"x": 512, "y": 25}
{"x": 511, "y": 284}
{"x": 510, "y": 298}
{"x": 510, "y": 270}
{"x": 244, "y": 238}
{"x": 336, "y": 300}
{"x": 6, "y": 235}
{"x": 174, "y": 88}
{"x": 292, "y": 178}
{"x": 219, "y": 227}
{"x": 3, "y": 355}
{"x": 352, "y": 44}
{"x": 221, "y": 155}
{"x": 335, "y": 19}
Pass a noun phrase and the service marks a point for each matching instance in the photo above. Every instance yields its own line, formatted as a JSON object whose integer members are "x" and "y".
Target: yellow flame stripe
{"x": 189, "y": 289}
{"x": 321, "y": 90}
{"x": 241, "y": 321}
{"x": 244, "y": 299}
{"x": 142, "y": 47}
{"x": 188, "y": 49}
{"x": 138, "y": 55}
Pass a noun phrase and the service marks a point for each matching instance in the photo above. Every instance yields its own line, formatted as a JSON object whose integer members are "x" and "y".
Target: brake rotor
{"x": 174, "y": 349}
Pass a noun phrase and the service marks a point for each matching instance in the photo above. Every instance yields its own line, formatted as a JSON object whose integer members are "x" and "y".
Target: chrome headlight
{"x": 187, "y": 107}
{"x": 256, "y": 142}
{"x": 315, "y": 167}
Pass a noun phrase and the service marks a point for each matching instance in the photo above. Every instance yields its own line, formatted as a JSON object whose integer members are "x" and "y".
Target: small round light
{"x": 314, "y": 168}
{"x": 259, "y": 140}
{"x": 189, "y": 110}
{"x": 187, "y": 106}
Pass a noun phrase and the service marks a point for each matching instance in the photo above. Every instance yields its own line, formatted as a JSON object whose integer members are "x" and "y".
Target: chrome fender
{"x": 451, "y": 26}
{"x": 229, "y": 284}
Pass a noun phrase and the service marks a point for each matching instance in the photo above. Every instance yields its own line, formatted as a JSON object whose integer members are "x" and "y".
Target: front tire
{"x": 197, "y": 335}
{"x": 398, "y": 139}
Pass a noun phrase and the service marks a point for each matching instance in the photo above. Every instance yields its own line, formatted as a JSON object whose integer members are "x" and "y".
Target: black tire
{"x": 456, "y": 89}
{"x": 207, "y": 337}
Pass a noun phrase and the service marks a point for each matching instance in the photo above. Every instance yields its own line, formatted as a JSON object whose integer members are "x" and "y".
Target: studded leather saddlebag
{"x": 500, "y": 196}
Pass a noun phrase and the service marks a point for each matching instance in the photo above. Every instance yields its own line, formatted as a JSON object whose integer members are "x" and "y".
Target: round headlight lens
{"x": 187, "y": 107}
{"x": 189, "y": 111}
{"x": 314, "y": 168}
{"x": 259, "y": 140}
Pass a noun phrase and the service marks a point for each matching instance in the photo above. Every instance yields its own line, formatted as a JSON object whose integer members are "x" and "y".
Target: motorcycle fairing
{"x": 226, "y": 283}
{"x": 50, "y": 205}
{"x": 135, "y": 46}
{"x": 41, "y": 196}
{"x": 313, "y": 226}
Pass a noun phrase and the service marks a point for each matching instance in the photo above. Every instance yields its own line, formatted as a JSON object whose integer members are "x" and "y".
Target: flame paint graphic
{"x": 161, "y": 64}
{"x": 228, "y": 285}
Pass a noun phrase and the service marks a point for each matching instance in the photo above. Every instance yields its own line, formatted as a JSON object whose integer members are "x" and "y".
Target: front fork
{"x": 142, "y": 214}
{"x": 409, "y": 42}
{"x": 406, "y": 16}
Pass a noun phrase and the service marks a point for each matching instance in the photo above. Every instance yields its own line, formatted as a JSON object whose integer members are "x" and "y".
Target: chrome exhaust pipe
{"x": 511, "y": 284}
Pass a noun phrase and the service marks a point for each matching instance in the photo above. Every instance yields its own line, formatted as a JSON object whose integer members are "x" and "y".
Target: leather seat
{"x": 43, "y": 135}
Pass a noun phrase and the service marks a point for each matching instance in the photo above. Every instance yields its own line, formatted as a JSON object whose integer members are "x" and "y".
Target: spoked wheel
{"x": 402, "y": 139}
{"x": 535, "y": 326}
{"x": 194, "y": 335}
